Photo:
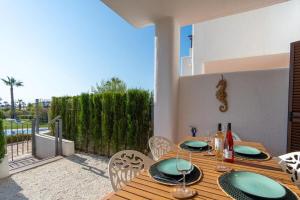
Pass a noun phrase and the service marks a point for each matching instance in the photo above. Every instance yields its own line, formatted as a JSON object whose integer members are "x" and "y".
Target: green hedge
{"x": 107, "y": 122}
{"x": 2, "y": 141}
{"x": 17, "y": 138}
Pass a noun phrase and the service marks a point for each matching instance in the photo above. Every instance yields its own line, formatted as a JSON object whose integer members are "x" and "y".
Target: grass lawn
{"x": 7, "y": 124}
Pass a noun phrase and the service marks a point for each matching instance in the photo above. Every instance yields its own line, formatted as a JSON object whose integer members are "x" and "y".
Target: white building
{"x": 254, "y": 40}
{"x": 244, "y": 40}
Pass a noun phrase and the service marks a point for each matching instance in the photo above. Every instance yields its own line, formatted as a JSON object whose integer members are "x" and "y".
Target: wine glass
{"x": 209, "y": 139}
{"x": 184, "y": 166}
{"x": 220, "y": 156}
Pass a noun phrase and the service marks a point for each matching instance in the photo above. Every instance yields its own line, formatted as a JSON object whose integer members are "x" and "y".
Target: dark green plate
{"x": 256, "y": 185}
{"x": 246, "y": 150}
{"x": 169, "y": 167}
{"x": 236, "y": 193}
{"x": 162, "y": 178}
{"x": 199, "y": 150}
{"x": 195, "y": 144}
{"x": 261, "y": 156}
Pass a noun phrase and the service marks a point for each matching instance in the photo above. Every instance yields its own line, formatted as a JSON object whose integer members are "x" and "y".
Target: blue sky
{"x": 63, "y": 47}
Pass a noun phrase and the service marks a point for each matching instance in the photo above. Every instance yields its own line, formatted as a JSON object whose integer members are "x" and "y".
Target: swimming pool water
{"x": 19, "y": 131}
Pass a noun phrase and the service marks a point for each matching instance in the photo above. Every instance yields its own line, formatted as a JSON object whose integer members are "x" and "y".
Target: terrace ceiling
{"x": 141, "y": 13}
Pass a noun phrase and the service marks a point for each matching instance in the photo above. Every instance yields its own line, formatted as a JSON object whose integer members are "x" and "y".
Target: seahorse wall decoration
{"x": 221, "y": 94}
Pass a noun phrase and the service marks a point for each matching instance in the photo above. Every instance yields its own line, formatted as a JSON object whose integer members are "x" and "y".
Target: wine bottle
{"x": 228, "y": 145}
{"x": 219, "y": 143}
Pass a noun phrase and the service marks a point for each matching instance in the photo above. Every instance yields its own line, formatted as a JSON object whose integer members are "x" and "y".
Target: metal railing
{"x": 18, "y": 138}
{"x": 58, "y": 134}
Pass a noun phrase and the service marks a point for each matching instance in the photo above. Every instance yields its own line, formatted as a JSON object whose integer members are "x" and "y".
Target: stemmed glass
{"x": 209, "y": 139}
{"x": 184, "y": 166}
{"x": 221, "y": 166}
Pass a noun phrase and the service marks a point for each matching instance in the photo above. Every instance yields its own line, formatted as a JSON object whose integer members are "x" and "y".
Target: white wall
{"x": 258, "y": 105}
{"x": 264, "y": 31}
{"x": 186, "y": 66}
{"x": 45, "y": 146}
{"x": 254, "y": 63}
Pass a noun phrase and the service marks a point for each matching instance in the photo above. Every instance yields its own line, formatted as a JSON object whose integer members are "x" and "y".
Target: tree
{"x": 20, "y": 103}
{"x": 12, "y": 82}
{"x": 113, "y": 85}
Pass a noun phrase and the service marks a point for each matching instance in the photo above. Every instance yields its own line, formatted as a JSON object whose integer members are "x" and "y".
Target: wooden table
{"x": 144, "y": 187}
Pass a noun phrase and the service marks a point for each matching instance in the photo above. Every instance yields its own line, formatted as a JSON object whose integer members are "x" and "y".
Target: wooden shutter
{"x": 294, "y": 99}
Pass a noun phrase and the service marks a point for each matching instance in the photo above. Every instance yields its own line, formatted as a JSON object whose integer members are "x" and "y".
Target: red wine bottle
{"x": 228, "y": 145}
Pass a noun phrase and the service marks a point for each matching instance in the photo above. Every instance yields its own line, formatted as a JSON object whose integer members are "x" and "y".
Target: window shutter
{"x": 294, "y": 99}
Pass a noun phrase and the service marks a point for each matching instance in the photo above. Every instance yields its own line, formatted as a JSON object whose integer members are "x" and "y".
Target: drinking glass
{"x": 209, "y": 139}
{"x": 220, "y": 160}
{"x": 184, "y": 167}
{"x": 220, "y": 164}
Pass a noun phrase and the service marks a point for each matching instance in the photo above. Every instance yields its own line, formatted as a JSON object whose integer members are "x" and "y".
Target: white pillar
{"x": 167, "y": 43}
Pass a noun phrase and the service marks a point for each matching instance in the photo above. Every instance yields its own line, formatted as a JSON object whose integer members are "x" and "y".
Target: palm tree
{"x": 12, "y": 82}
{"x": 20, "y": 103}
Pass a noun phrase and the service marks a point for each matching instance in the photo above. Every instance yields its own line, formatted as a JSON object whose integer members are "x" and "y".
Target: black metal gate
{"x": 18, "y": 138}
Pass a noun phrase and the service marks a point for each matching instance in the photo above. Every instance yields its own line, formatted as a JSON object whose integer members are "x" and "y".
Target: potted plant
{"x": 4, "y": 172}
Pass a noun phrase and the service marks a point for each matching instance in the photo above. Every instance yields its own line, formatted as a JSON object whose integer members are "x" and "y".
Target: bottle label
{"x": 218, "y": 144}
{"x": 227, "y": 154}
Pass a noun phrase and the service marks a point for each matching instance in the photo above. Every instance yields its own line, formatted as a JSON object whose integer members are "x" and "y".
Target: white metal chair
{"x": 236, "y": 137}
{"x": 290, "y": 163}
{"x": 159, "y": 146}
{"x": 125, "y": 165}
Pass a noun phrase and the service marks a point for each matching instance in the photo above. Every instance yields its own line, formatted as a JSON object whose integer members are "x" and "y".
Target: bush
{"x": 29, "y": 117}
{"x": 138, "y": 119}
{"x": 17, "y": 138}
{"x": 97, "y": 123}
{"x": 2, "y": 116}
{"x": 107, "y": 119}
{"x": 2, "y": 141}
{"x": 84, "y": 119}
{"x": 107, "y": 122}
{"x": 120, "y": 121}
{"x": 74, "y": 133}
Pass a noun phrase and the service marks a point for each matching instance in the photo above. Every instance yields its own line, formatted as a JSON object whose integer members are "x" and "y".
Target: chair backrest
{"x": 236, "y": 137}
{"x": 125, "y": 165}
{"x": 290, "y": 163}
{"x": 159, "y": 146}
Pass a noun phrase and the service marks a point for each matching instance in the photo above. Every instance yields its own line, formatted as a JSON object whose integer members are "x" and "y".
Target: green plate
{"x": 256, "y": 185}
{"x": 246, "y": 150}
{"x": 169, "y": 167}
{"x": 195, "y": 144}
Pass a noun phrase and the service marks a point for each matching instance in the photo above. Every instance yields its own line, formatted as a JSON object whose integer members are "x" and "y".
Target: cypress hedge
{"x": 107, "y": 119}
{"x": 84, "y": 120}
{"x": 97, "y": 123}
{"x": 2, "y": 141}
{"x": 107, "y": 122}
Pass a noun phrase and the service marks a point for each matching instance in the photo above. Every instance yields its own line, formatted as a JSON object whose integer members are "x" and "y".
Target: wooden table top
{"x": 144, "y": 187}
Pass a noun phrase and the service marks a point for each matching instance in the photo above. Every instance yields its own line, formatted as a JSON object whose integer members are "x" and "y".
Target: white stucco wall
{"x": 45, "y": 146}
{"x": 186, "y": 66}
{"x": 258, "y": 105}
{"x": 264, "y": 31}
